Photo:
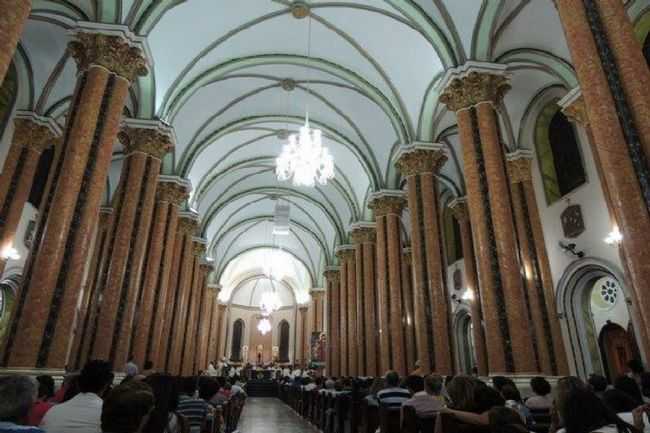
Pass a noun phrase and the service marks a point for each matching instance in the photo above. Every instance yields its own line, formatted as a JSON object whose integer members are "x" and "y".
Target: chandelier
{"x": 270, "y": 302}
{"x": 304, "y": 159}
{"x": 264, "y": 326}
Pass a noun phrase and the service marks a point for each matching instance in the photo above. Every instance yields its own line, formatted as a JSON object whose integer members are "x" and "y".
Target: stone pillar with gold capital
{"x": 473, "y": 91}
{"x": 33, "y": 134}
{"x": 317, "y": 310}
{"x": 363, "y": 237}
{"x": 213, "y": 339}
{"x": 387, "y": 206}
{"x": 420, "y": 163}
{"x": 303, "y": 352}
{"x": 108, "y": 60}
{"x": 333, "y": 277}
{"x": 180, "y": 277}
{"x": 171, "y": 192}
{"x": 459, "y": 209}
{"x": 12, "y": 21}
{"x": 221, "y": 338}
{"x": 551, "y": 354}
{"x": 188, "y": 343}
{"x": 615, "y": 84}
{"x": 409, "y": 308}
{"x": 145, "y": 144}
{"x": 204, "y": 319}
{"x": 347, "y": 305}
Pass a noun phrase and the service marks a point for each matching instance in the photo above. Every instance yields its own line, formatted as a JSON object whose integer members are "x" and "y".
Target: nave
{"x": 271, "y": 415}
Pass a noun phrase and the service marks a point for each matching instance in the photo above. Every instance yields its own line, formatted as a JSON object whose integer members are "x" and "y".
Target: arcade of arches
{"x": 490, "y": 208}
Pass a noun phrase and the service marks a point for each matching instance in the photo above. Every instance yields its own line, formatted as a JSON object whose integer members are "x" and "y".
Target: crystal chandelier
{"x": 270, "y": 302}
{"x": 304, "y": 159}
{"x": 264, "y": 326}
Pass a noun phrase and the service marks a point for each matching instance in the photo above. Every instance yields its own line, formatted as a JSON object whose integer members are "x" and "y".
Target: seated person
{"x": 542, "y": 398}
{"x": 127, "y": 408}
{"x": 392, "y": 396}
{"x": 43, "y": 403}
{"x": 427, "y": 399}
{"x": 471, "y": 400}
{"x": 17, "y": 395}
{"x": 505, "y": 420}
{"x": 513, "y": 401}
{"x": 196, "y": 410}
{"x": 598, "y": 384}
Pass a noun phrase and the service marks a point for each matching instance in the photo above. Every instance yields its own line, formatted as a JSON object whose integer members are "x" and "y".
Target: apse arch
{"x": 572, "y": 302}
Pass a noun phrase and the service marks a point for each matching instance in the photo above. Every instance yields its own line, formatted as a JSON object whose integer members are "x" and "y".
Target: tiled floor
{"x": 270, "y": 415}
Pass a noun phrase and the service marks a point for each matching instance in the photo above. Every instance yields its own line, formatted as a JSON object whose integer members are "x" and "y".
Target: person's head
{"x": 461, "y": 392}
{"x": 165, "y": 392}
{"x": 505, "y": 420}
{"x": 188, "y": 385}
{"x": 597, "y": 382}
{"x": 630, "y": 387}
{"x": 45, "y": 386}
{"x": 17, "y": 394}
{"x": 510, "y": 392}
{"x": 540, "y": 386}
{"x": 500, "y": 381}
{"x": 392, "y": 379}
{"x": 71, "y": 387}
{"x": 581, "y": 411}
{"x": 96, "y": 377}
{"x": 618, "y": 401}
{"x": 414, "y": 383}
{"x": 635, "y": 366}
{"x": 564, "y": 386}
{"x": 329, "y": 384}
{"x": 127, "y": 407}
{"x": 433, "y": 384}
{"x": 148, "y": 365}
{"x": 207, "y": 388}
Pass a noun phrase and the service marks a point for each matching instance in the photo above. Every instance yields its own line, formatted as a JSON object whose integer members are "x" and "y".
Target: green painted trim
{"x": 63, "y": 7}
{"x": 430, "y": 103}
{"x": 484, "y": 29}
{"x": 146, "y": 18}
{"x": 109, "y": 11}
{"x": 642, "y": 25}
{"x": 554, "y": 65}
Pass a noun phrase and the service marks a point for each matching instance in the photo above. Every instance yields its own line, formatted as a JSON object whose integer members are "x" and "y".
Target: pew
{"x": 413, "y": 424}
{"x": 369, "y": 417}
{"x": 541, "y": 419}
{"x": 389, "y": 420}
{"x": 446, "y": 423}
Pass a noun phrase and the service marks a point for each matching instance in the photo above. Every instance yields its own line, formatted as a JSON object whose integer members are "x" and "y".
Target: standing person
{"x": 17, "y": 395}
{"x": 393, "y": 395}
{"x": 131, "y": 368}
{"x": 42, "y": 403}
{"x": 127, "y": 408}
{"x": 82, "y": 413}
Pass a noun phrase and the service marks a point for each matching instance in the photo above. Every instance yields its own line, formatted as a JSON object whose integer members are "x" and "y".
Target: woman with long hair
{"x": 163, "y": 418}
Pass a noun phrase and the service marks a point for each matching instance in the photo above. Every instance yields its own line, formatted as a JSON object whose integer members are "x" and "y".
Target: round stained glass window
{"x": 605, "y": 293}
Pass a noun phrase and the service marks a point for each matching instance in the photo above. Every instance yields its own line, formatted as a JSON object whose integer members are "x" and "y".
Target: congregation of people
{"x": 90, "y": 401}
{"x": 466, "y": 403}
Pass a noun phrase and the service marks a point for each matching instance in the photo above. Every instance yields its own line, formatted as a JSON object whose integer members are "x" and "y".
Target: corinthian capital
{"x": 33, "y": 131}
{"x": 573, "y": 107}
{"x": 152, "y": 137}
{"x": 519, "y": 166}
{"x": 345, "y": 252}
{"x": 387, "y": 202}
{"x": 458, "y": 208}
{"x": 363, "y": 233}
{"x": 187, "y": 223}
{"x": 199, "y": 246}
{"x": 474, "y": 83}
{"x": 112, "y": 47}
{"x": 332, "y": 274}
{"x": 420, "y": 158}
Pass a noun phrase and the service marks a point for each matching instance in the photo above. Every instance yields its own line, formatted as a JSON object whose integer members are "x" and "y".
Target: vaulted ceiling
{"x": 232, "y": 76}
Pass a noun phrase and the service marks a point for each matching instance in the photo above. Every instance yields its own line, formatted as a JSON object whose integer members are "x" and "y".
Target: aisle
{"x": 270, "y": 415}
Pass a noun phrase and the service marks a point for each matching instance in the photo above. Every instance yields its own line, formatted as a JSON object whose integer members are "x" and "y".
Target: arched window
{"x": 237, "y": 337}
{"x": 558, "y": 153}
{"x": 8, "y": 93}
{"x": 283, "y": 329}
{"x": 40, "y": 177}
{"x": 646, "y": 49}
{"x": 8, "y": 290}
{"x": 453, "y": 241}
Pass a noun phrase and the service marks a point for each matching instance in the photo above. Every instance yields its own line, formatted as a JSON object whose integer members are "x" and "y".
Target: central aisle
{"x": 270, "y": 415}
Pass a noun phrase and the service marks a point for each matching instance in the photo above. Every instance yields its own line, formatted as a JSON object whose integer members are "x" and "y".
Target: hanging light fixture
{"x": 304, "y": 159}
{"x": 264, "y": 326}
{"x": 270, "y": 303}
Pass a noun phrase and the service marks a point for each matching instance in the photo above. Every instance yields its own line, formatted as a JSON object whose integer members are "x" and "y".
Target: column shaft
{"x": 191, "y": 327}
{"x": 359, "y": 303}
{"x": 370, "y": 309}
{"x": 69, "y": 213}
{"x": 204, "y": 321}
{"x": 383, "y": 300}
{"x": 211, "y": 352}
{"x": 409, "y": 322}
{"x": 333, "y": 334}
{"x": 12, "y": 21}
{"x": 351, "y": 303}
{"x": 343, "y": 318}
{"x": 394, "y": 248}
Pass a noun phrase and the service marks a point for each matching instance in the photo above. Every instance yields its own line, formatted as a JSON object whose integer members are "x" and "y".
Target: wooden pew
{"x": 369, "y": 417}
{"x": 389, "y": 420}
{"x": 414, "y": 424}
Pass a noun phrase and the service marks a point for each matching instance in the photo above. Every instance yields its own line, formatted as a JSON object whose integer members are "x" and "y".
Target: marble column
{"x": 204, "y": 319}
{"x": 303, "y": 353}
{"x": 12, "y": 21}
{"x": 460, "y": 212}
{"x": 550, "y": 344}
{"x": 363, "y": 238}
{"x": 387, "y": 206}
{"x": 420, "y": 163}
{"x": 45, "y": 313}
{"x": 177, "y": 293}
{"x": 615, "y": 85}
{"x": 171, "y": 192}
{"x": 213, "y": 352}
{"x": 145, "y": 144}
{"x": 89, "y": 302}
{"x": 332, "y": 277}
{"x": 347, "y": 319}
{"x": 33, "y": 134}
{"x": 221, "y": 317}
{"x": 188, "y": 344}
{"x": 473, "y": 91}
{"x": 317, "y": 309}
{"x": 409, "y": 308}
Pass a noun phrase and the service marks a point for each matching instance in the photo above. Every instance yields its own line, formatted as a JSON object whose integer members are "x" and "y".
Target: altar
{"x": 262, "y": 373}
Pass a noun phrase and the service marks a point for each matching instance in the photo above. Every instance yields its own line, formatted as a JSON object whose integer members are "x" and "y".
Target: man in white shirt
{"x": 82, "y": 413}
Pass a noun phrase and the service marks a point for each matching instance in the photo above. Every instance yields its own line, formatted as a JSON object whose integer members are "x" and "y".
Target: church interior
{"x": 339, "y": 187}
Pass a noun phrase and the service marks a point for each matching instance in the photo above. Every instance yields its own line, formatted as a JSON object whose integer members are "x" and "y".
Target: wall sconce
{"x": 614, "y": 237}
{"x": 572, "y": 248}
{"x": 9, "y": 253}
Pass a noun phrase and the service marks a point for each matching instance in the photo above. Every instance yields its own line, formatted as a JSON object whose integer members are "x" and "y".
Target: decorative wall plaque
{"x": 573, "y": 224}
{"x": 458, "y": 280}
{"x": 29, "y": 233}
